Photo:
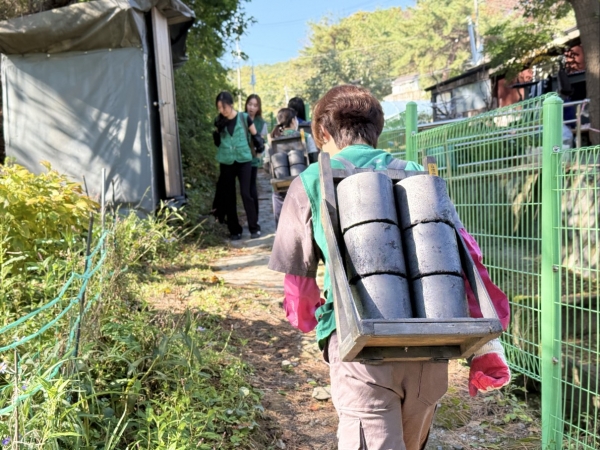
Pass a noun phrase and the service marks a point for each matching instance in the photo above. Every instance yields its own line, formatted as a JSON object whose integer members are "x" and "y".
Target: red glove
{"x": 489, "y": 370}
{"x": 302, "y": 298}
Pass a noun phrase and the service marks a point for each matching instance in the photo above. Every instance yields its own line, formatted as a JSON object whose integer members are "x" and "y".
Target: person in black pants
{"x": 234, "y": 135}
{"x": 254, "y": 110}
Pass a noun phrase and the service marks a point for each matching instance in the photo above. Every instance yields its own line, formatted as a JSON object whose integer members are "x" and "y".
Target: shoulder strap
{"x": 398, "y": 164}
{"x": 347, "y": 164}
{"x": 244, "y": 117}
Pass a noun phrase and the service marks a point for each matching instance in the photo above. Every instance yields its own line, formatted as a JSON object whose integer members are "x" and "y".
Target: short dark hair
{"x": 297, "y": 104}
{"x": 257, "y": 98}
{"x": 224, "y": 97}
{"x": 350, "y": 114}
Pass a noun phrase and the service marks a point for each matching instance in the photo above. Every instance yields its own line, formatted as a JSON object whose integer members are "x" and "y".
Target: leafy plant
{"x": 142, "y": 379}
{"x": 42, "y": 216}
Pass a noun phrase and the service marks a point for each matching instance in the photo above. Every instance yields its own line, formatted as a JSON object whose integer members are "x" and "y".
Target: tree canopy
{"x": 372, "y": 49}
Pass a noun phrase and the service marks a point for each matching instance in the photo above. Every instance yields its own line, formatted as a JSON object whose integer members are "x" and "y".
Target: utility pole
{"x": 253, "y": 79}
{"x": 239, "y": 73}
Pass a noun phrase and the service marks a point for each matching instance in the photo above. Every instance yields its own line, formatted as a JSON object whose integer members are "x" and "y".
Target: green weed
{"x": 143, "y": 379}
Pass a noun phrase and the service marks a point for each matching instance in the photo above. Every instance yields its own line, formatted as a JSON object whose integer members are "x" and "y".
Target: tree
{"x": 359, "y": 49}
{"x": 438, "y": 44}
{"x": 516, "y": 43}
{"x": 587, "y": 13}
{"x": 272, "y": 82}
{"x": 372, "y": 49}
{"x": 15, "y": 8}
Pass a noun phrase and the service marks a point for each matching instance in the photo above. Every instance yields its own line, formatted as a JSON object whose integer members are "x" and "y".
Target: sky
{"x": 281, "y": 26}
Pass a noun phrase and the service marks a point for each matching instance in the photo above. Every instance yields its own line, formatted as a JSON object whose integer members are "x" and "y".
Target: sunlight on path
{"x": 247, "y": 264}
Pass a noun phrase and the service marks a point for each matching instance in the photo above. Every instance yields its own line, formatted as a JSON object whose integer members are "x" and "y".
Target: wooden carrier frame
{"x": 375, "y": 341}
{"x": 284, "y": 144}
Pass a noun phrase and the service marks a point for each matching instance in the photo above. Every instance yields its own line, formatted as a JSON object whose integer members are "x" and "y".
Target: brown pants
{"x": 384, "y": 407}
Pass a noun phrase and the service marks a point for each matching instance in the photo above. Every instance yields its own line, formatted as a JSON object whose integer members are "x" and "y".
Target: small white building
{"x": 406, "y": 88}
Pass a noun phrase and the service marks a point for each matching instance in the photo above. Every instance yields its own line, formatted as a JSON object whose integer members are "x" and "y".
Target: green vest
{"x": 290, "y": 132}
{"x": 361, "y": 156}
{"x": 234, "y": 148}
{"x": 259, "y": 123}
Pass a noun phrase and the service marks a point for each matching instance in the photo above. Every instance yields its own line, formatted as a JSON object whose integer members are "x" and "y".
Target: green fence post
{"x": 411, "y": 131}
{"x": 307, "y": 110}
{"x": 550, "y": 281}
{"x": 272, "y": 120}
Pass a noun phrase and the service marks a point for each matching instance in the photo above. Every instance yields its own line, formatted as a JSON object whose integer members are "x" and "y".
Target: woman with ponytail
{"x": 287, "y": 125}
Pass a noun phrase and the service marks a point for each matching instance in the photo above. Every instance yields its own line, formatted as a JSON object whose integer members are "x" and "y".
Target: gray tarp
{"x": 78, "y": 91}
{"x": 69, "y": 110}
{"x": 86, "y": 26}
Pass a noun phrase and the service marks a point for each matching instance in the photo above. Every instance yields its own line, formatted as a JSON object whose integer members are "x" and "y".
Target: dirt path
{"x": 287, "y": 362}
{"x": 288, "y": 365}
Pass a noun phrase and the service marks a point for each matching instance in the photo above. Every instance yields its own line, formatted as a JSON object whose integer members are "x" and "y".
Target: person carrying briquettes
{"x": 380, "y": 407}
{"x": 287, "y": 125}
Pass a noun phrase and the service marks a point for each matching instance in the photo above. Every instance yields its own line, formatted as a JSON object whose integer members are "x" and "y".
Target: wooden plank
{"x": 328, "y": 192}
{"x": 472, "y": 345}
{"x": 374, "y": 355}
{"x": 281, "y": 181}
{"x": 460, "y": 340}
{"x": 344, "y": 298}
{"x": 171, "y": 155}
{"x": 416, "y": 341}
{"x": 435, "y": 329}
{"x": 432, "y": 321}
{"x": 271, "y": 153}
{"x": 350, "y": 340}
{"x": 372, "y": 340}
{"x": 281, "y": 185}
{"x": 394, "y": 174}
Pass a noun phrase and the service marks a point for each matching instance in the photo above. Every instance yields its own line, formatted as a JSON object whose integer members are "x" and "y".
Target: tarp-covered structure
{"x": 90, "y": 87}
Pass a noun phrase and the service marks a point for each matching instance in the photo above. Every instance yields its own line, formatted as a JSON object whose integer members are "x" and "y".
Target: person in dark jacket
{"x": 297, "y": 104}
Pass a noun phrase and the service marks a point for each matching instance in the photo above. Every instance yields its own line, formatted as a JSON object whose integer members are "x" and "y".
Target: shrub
{"x": 42, "y": 216}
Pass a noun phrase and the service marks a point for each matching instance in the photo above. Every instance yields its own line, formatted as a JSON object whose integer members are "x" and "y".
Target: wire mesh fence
{"x": 533, "y": 208}
{"x": 578, "y": 188}
{"x": 492, "y": 165}
{"x": 393, "y": 140}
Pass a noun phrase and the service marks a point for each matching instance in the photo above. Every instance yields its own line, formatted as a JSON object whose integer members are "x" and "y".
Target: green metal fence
{"x": 539, "y": 236}
{"x": 577, "y": 187}
{"x": 393, "y": 140}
